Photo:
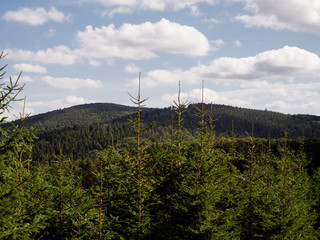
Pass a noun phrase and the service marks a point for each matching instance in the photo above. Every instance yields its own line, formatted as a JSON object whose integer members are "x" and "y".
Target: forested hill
{"x": 266, "y": 123}
{"x": 80, "y": 129}
{"x": 80, "y": 115}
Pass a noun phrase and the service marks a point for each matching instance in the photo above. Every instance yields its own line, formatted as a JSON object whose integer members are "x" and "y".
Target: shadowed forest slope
{"x": 80, "y": 129}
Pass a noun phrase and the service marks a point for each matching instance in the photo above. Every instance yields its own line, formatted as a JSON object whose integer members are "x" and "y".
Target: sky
{"x": 258, "y": 54}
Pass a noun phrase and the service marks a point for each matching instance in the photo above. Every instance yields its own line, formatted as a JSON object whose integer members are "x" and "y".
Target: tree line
{"x": 185, "y": 187}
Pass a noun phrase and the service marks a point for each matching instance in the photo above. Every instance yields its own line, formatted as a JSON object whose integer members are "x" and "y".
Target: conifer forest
{"x": 154, "y": 181}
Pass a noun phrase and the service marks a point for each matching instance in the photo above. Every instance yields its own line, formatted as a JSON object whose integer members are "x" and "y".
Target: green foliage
{"x": 19, "y": 218}
{"x": 189, "y": 185}
{"x": 267, "y": 123}
{"x": 77, "y": 116}
{"x": 78, "y": 137}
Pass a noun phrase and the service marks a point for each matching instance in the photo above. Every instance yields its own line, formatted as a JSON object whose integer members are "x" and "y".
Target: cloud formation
{"x": 277, "y": 96}
{"x": 142, "y": 41}
{"x": 55, "y": 104}
{"x": 35, "y": 16}
{"x": 68, "y": 101}
{"x": 71, "y": 83}
{"x": 23, "y": 79}
{"x": 284, "y": 80}
{"x": 210, "y": 96}
{"x": 25, "y": 67}
{"x": 129, "y": 6}
{"x": 284, "y": 62}
{"x": 57, "y": 55}
{"x": 132, "y": 68}
{"x": 295, "y": 15}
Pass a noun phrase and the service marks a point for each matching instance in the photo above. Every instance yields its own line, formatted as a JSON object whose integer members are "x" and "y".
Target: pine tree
{"x": 20, "y": 209}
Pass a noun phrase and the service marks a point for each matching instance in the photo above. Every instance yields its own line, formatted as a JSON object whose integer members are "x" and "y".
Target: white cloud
{"x": 193, "y": 96}
{"x": 93, "y": 62}
{"x": 132, "y": 68}
{"x": 295, "y": 15}
{"x": 57, "y": 55}
{"x": 237, "y": 43}
{"x": 55, "y": 104}
{"x": 278, "y": 96}
{"x": 130, "y": 41}
{"x": 210, "y": 20}
{"x": 73, "y": 100}
{"x": 128, "y": 6}
{"x": 210, "y": 96}
{"x": 118, "y": 10}
{"x": 37, "y": 107}
{"x": 142, "y": 41}
{"x": 71, "y": 83}
{"x": 289, "y": 74}
{"x": 26, "y": 79}
{"x": 162, "y": 77}
{"x": 23, "y": 79}
{"x": 216, "y": 44}
{"x": 285, "y": 62}
{"x": 25, "y": 67}
{"x": 50, "y": 33}
{"x": 36, "y": 16}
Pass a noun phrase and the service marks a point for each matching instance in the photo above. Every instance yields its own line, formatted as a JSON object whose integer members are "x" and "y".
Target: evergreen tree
{"x": 20, "y": 209}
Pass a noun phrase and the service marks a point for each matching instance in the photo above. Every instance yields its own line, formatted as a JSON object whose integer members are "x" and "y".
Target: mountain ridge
{"x": 80, "y": 129}
{"x": 98, "y": 113}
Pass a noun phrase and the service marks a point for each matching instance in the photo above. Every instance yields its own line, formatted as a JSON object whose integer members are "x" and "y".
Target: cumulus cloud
{"x": 210, "y": 96}
{"x": 142, "y": 41}
{"x": 57, "y": 55}
{"x": 25, "y": 67}
{"x": 285, "y": 62}
{"x": 295, "y": 15}
{"x": 35, "y": 16}
{"x": 288, "y": 74}
{"x": 277, "y": 96}
{"x": 162, "y": 77}
{"x": 193, "y": 96}
{"x": 294, "y": 98}
{"x": 71, "y": 83}
{"x": 132, "y": 68}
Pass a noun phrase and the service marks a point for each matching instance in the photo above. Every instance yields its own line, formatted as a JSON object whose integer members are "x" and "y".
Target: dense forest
{"x": 80, "y": 129}
{"x": 146, "y": 178}
{"x": 267, "y": 123}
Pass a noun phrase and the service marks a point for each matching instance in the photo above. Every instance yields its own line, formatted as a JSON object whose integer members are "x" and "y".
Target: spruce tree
{"x": 20, "y": 209}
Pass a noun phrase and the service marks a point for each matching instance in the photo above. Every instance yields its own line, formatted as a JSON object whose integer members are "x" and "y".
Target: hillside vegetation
{"x": 267, "y": 123}
{"x": 84, "y": 128}
{"x": 179, "y": 179}
{"x": 81, "y": 115}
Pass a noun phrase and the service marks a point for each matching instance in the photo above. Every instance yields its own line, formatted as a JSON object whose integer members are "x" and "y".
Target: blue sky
{"x": 259, "y": 54}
